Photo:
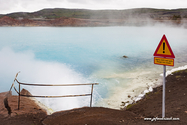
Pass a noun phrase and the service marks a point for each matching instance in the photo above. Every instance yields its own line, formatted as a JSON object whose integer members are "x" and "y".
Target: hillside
{"x": 83, "y": 17}
{"x": 100, "y": 14}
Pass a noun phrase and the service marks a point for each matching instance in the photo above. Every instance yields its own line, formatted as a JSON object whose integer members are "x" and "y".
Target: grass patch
{"x": 130, "y": 105}
{"x": 177, "y": 71}
{"x": 177, "y": 77}
{"x": 147, "y": 93}
{"x": 157, "y": 92}
{"x": 180, "y": 71}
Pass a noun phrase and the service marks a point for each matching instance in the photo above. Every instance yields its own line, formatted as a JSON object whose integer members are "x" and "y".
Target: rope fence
{"x": 37, "y": 84}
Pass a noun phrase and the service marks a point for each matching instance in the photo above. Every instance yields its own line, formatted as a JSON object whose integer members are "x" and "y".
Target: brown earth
{"x": 78, "y": 22}
{"x": 149, "y": 107}
{"x": 8, "y": 21}
{"x": 176, "y": 100}
{"x": 63, "y": 21}
{"x": 29, "y": 114}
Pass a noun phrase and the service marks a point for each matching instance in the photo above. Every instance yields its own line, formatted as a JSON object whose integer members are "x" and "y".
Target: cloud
{"x": 8, "y": 6}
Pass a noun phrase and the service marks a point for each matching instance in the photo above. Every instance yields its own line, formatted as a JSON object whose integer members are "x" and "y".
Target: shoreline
{"x": 133, "y": 94}
{"x": 148, "y": 107}
{"x": 170, "y": 72}
{"x": 134, "y": 98}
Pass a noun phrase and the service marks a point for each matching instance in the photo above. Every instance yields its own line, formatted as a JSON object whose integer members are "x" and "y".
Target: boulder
{"x": 125, "y": 56}
{"x": 25, "y": 92}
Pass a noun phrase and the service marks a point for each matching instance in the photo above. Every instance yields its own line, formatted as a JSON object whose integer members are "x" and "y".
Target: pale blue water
{"x": 83, "y": 54}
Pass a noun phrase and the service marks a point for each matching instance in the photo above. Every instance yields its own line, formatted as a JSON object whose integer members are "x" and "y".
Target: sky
{"x": 10, "y": 6}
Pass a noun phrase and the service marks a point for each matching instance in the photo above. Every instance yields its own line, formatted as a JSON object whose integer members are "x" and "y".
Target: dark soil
{"x": 176, "y": 100}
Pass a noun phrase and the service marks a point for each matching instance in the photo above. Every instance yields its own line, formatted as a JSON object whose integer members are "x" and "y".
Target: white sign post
{"x": 163, "y": 92}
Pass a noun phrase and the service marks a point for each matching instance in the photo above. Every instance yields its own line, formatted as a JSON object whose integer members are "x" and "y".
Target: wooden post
{"x": 91, "y": 96}
{"x": 19, "y": 98}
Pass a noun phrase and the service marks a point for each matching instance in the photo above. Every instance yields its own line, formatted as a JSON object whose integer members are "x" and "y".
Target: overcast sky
{"x": 9, "y": 6}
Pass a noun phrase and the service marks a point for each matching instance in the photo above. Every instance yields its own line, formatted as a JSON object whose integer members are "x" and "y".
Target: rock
{"x": 7, "y": 106}
{"x": 145, "y": 91}
{"x": 4, "y": 97}
{"x": 125, "y": 56}
{"x": 150, "y": 89}
{"x": 29, "y": 112}
{"x": 25, "y": 92}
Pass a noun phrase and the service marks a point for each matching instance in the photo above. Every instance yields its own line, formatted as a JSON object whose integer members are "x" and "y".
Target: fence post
{"x": 19, "y": 98}
{"x": 91, "y": 96}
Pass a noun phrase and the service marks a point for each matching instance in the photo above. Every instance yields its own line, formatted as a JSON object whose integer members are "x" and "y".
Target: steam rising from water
{"x": 33, "y": 71}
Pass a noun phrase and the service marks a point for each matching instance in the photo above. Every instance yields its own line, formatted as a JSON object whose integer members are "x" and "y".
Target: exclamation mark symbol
{"x": 164, "y": 47}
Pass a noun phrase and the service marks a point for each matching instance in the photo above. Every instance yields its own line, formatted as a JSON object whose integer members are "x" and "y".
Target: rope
{"x": 56, "y": 84}
{"x": 55, "y": 96}
{"x": 19, "y": 93}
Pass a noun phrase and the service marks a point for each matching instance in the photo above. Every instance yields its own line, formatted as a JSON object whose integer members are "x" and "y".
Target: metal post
{"x": 91, "y": 96}
{"x": 19, "y": 98}
{"x": 163, "y": 91}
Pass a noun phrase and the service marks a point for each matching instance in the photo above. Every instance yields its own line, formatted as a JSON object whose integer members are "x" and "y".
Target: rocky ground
{"x": 63, "y": 21}
{"x": 149, "y": 107}
{"x": 78, "y": 22}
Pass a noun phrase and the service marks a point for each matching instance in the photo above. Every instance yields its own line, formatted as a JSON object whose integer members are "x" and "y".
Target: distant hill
{"x": 100, "y": 14}
{"x": 84, "y": 17}
{"x": 1, "y": 15}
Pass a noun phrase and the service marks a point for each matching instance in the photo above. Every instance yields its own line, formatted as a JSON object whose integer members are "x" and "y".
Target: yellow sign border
{"x": 163, "y": 61}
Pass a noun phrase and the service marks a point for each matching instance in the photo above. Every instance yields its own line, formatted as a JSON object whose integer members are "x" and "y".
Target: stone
{"x": 125, "y": 56}
{"x": 25, "y": 92}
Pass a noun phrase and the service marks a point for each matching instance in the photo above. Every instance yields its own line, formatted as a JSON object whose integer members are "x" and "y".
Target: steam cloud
{"x": 33, "y": 71}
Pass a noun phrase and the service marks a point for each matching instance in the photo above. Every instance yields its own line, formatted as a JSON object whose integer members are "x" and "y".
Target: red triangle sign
{"x": 164, "y": 49}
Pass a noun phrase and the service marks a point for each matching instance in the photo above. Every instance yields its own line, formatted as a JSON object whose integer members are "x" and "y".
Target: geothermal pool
{"x": 64, "y": 55}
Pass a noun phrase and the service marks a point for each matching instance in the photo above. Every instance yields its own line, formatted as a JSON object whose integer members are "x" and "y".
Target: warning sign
{"x": 164, "y": 49}
{"x": 164, "y": 61}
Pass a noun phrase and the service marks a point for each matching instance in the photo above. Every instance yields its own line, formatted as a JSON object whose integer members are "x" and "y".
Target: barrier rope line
{"x": 36, "y": 84}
